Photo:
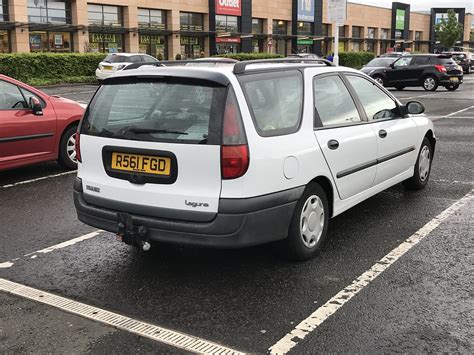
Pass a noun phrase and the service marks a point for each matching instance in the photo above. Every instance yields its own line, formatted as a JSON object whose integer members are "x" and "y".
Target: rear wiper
{"x": 137, "y": 130}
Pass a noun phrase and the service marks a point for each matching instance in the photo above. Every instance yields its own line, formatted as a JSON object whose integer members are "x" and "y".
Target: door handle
{"x": 382, "y": 133}
{"x": 333, "y": 144}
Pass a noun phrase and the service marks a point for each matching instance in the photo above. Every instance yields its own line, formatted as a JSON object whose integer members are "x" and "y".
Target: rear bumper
{"x": 100, "y": 75}
{"x": 446, "y": 79}
{"x": 239, "y": 222}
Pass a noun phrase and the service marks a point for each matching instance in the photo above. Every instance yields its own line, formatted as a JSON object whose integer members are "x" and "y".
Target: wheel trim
{"x": 429, "y": 83}
{"x": 379, "y": 80}
{"x": 312, "y": 221}
{"x": 71, "y": 148}
{"x": 424, "y": 163}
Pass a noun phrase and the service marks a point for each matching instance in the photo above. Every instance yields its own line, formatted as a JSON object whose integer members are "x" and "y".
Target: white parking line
{"x": 420, "y": 96}
{"x": 62, "y": 245}
{"x": 455, "y": 113}
{"x": 38, "y": 179}
{"x": 311, "y": 323}
{"x": 147, "y": 330}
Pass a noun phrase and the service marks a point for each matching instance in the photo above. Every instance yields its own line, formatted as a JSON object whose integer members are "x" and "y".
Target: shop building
{"x": 197, "y": 28}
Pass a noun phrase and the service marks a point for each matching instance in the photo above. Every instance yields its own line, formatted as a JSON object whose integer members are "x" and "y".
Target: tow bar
{"x": 127, "y": 234}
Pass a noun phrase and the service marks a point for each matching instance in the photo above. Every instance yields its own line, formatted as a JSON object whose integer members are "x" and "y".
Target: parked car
{"x": 116, "y": 62}
{"x": 36, "y": 127}
{"x": 393, "y": 54}
{"x": 464, "y": 59}
{"x": 377, "y": 63}
{"x": 426, "y": 70}
{"x": 243, "y": 155}
{"x": 304, "y": 56}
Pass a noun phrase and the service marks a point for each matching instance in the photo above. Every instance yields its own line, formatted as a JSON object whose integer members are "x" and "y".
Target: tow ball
{"x": 127, "y": 233}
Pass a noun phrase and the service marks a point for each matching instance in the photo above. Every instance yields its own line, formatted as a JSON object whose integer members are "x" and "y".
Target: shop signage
{"x": 444, "y": 15}
{"x": 227, "y": 40}
{"x": 337, "y": 11}
{"x": 147, "y": 39}
{"x": 400, "y": 20}
{"x": 304, "y": 41}
{"x": 189, "y": 40}
{"x": 102, "y": 37}
{"x": 306, "y": 10}
{"x": 229, "y": 7}
{"x": 58, "y": 40}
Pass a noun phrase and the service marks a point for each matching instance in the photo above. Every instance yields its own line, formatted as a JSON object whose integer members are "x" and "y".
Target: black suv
{"x": 426, "y": 70}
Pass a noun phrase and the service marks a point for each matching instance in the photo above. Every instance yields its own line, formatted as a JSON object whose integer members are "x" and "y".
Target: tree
{"x": 449, "y": 30}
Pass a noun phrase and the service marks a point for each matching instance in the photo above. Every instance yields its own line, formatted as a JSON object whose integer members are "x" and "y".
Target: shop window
{"x": 105, "y": 42}
{"x": 257, "y": 26}
{"x": 103, "y": 15}
{"x": 148, "y": 18}
{"x": 192, "y": 47}
{"x": 190, "y": 21}
{"x": 227, "y": 24}
{"x": 3, "y": 10}
{"x": 371, "y": 32}
{"x": 384, "y": 34}
{"x": 371, "y": 47}
{"x": 327, "y": 30}
{"x": 49, "y": 11}
{"x": 4, "y": 42}
{"x": 418, "y": 35}
{"x": 305, "y": 28}
{"x": 44, "y": 41}
{"x": 154, "y": 45}
{"x": 357, "y": 32}
{"x": 342, "y": 31}
{"x": 280, "y": 27}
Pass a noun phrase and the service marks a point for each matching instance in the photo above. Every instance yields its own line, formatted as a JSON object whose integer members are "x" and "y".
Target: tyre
{"x": 430, "y": 83}
{"x": 67, "y": 149}
{"x": 379, "y": 79}
{"x": 452, "y": 87}
{"x": 309, "y": 224}
{"x": 399, "y": 87}
{"x": 468, "y": 70}
{"x": 422, "y": 167}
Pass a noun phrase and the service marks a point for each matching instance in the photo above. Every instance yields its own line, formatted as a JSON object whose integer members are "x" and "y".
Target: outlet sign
{"x": 400, "y": 20}
{"x": 229, "y": 7}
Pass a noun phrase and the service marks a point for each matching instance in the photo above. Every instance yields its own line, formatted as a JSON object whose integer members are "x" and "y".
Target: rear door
{"x": 396, "y": 136}
{"x": 349, "y": 144}
{"x": 152, "y": 147}
{"x": 417, "y": 67}
{"x": 24, "y": 135}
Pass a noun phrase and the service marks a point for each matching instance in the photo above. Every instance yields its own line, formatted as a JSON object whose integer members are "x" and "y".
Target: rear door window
{"x": 275, "y": 100}
{"x": 160, "y": 111}
{"x": 333, "y": 102}
{"x": 420, "y": 60}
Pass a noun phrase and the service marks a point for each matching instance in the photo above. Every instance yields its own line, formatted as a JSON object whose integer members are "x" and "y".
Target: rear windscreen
{"x": 159, "y": 111}
{"x": 446, "y": 61}
{"x": 113, "y": 58}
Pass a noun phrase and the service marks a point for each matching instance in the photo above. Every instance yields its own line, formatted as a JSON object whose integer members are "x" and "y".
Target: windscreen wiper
{"x": 137, "y": 130}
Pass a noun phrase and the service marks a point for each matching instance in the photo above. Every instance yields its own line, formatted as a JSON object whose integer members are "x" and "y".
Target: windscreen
{"x": 380, "y": 62}
{"x": 113, "y": 58}
{"x": 160, "y": 111}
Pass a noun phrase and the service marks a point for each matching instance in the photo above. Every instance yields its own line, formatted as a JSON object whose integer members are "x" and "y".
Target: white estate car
{"x": 116, "y": 62}
{"x": 243, "y": 154}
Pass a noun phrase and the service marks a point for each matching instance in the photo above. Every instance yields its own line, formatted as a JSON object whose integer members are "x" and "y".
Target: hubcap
{"x": 71, "y": 148}
{"x": 424, "y": 163}
{"x": 429, "y": 83}
{"x": 379, "y": 80}
{"x": 312, "y": 221}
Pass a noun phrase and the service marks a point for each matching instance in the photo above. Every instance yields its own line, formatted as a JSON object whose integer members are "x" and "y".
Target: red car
{"x": 36, "y": 127}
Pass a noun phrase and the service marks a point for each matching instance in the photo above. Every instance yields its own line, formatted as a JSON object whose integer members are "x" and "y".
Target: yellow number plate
{"x": 141, "y": 163}
{"x": 454, "y": 78}
{"x": 107, "y": 67}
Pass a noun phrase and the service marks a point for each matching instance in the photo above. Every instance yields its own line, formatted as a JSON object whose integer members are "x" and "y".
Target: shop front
{"x": 192, "y": 35}
{"x": 280, "y": 42}
{"x": 152, "y": 33}
{"x": 48, "y": 41}
{"x": 305, "y": 45}
{"x": 105, "y": 42}
{"x": 153, "y": 45}
{"x": 229, "y": 45}
{"x": 192, "y": 47}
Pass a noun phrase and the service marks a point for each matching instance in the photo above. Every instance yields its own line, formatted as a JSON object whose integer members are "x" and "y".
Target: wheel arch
{"x": 326, "y": 185}
{"x": 69, "y": 125}
{"x": 432, "y": 139}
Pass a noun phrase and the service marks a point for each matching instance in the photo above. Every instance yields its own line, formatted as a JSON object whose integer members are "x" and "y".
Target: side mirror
{"x": 414, "y": 108}
{"x": 392, "y": 65}
{"x": 35, "y": 105}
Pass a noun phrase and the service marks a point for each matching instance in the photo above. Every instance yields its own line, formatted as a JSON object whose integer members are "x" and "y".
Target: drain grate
{"x": 150, "y": 331}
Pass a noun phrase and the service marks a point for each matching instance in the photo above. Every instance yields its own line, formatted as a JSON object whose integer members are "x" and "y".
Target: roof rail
{"x": 170, "y": 63}
{"x": 239, "y": 67}
{"x": 138, "y": 65}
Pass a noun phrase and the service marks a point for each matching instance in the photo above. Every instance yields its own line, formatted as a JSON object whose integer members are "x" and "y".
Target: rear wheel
{"x": 309, "y": 224}
{"x": 399, "y": 87}
{"x": 430, "y": 83}
{"x": 452, "y": 87}
{"x": 67, "y": 148}
{"x": 422, "y": 167}
{"x": 379, "y": 79}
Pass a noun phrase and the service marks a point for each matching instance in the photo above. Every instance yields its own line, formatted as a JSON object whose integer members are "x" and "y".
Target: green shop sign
{"x": 304, "y": 41}
{"x": 400, "y": 20}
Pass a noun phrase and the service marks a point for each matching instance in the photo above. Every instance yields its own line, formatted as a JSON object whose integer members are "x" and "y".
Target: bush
{"x": 355, "y": 59}
{"x": 249, "y": 56}
{"x": 46, "y": 68}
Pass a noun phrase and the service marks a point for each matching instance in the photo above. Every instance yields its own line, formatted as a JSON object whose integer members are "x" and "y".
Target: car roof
{"x": 128, "y": 54}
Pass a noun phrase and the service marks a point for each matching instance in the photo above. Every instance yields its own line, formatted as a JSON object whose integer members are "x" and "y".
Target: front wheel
{"x": 67, "y": 148}
{"x": 309, "y": 224}
{"x": 380, "y": 80}
{"x": 430, "y": 83}
{"x": 452, "y": 87}
{"x": 422, "y": 167}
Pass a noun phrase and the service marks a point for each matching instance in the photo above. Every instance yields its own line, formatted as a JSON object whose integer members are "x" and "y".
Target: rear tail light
{"x": 441, "y": 68}
{"x": 234, "y": 151}
{"x": 78, "y": 147}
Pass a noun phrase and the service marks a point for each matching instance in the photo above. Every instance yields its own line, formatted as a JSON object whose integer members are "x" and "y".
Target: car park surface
{"x": 250, "y": 299}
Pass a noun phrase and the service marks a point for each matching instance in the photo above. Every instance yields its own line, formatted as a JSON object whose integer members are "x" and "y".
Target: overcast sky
{"x": 420, "y": 5}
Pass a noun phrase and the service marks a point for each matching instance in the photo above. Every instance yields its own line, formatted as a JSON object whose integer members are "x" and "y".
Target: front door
{"x": 23, "y": 135}
{"x": 349, "y": 144}
{"x": 399, "y": 74}
{"x": 396, "y": 136}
